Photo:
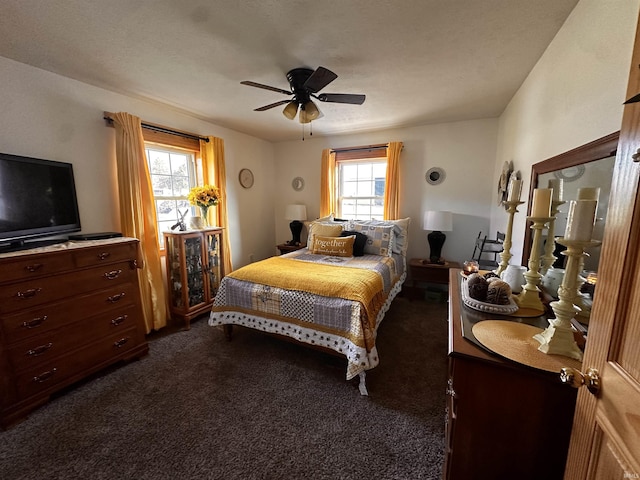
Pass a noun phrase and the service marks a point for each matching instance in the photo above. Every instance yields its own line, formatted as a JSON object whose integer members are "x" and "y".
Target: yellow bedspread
{"x": 361, "y": 285}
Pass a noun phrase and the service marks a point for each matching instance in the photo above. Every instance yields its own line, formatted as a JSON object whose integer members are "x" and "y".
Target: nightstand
{"x": 286, "y": 248}
{"x": 423, "y": 271}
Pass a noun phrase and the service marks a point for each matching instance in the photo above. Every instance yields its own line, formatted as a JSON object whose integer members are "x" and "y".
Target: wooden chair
{"x": 486, "y": 251}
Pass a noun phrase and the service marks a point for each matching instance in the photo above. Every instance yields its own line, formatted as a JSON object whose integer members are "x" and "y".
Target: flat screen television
{"x": 37, "y": 199}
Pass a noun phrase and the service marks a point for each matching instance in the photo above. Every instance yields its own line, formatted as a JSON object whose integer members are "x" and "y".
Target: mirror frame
{"x": 597, "y": 150}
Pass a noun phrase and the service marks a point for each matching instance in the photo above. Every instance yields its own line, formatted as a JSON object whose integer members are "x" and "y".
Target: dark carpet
{"x": 200, "y": 407}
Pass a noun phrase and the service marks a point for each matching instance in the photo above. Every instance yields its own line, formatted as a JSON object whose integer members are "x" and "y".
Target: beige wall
{"x": 465, "y": 150}
{"x": 574, "y": 95}
{"x": 48, "y": 116}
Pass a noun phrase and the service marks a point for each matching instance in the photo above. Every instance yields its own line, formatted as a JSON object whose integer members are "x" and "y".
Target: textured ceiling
{"x": 418, "y": 61}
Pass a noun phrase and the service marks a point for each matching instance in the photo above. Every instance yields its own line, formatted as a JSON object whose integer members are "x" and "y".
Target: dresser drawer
{"x": 92, "y": 356}
{"x": 35, "y": 321}
{"x": 46, "y": 347}
{"x": 32, "y": 266}
{"x": 23, "y": 295}
{"x": 100, "y": 255}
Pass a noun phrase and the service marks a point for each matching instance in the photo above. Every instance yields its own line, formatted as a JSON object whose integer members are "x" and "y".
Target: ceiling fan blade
{"x": 342, "y": 98}
{"x": 266, "y": 87}
{"x": 319, "y": 79}
{"x": 271, "y": 105}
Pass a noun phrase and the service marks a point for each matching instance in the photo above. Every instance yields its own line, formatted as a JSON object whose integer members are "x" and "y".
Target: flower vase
{"x": 205, "y": 218}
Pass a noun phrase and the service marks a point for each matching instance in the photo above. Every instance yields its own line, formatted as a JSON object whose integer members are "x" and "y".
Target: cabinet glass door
{"x": 212, "y": 241}
{"x": 195, "y": 270}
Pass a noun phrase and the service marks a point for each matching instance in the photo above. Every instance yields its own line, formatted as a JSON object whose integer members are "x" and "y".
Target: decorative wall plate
{"x": 297, "y": 184}
{"x": 246, "y": 178}
{"x": 503, "y": 181}
{"x": 435, "y": 176}
{"x": 571, "y": 173}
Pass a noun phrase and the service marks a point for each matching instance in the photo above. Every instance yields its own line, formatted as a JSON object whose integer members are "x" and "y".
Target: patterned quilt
{"x": 334, "y": 302}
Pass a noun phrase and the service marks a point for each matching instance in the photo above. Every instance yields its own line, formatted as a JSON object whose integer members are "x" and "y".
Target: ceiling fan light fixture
{"x": 290, "y": 110}
{"x": 311, "y": 110}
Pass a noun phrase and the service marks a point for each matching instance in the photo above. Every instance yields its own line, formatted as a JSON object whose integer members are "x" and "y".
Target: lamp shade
{"x": 290, "y": 110}
{"x": 296, "y": 212}
{"x": 438, "y": 221}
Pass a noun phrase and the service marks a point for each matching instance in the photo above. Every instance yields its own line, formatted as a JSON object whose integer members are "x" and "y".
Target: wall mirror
{"x": 590, "y": 165}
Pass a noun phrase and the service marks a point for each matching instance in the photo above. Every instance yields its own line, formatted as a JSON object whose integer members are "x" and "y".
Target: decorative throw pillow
{"x": 322, "y": 229}
{"x": 379, "y": 238}
{"x": 358, "y": 244}
{"x": 401, "y": 232}
{"x": 336, "y": 246}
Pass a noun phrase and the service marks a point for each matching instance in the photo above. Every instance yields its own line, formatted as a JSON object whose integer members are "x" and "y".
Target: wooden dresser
{"x": 504, "y": 420}
{"x": 66, "y": 311}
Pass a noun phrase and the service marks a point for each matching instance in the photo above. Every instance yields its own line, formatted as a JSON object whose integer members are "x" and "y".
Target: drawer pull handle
{"x": 34, "y": 268}
{"x": 36, "y": 322}
{"x": 104, "y": 255}
{"x": 43, "y": 377}
{"x": 450, "y": 391}
{"x": 39, "y": 350}
{"x": 120, "y": 342}
{"x": 115, "y": 298}
{"x": 119, "y": 320}
{"x": 112, "y": 274}
{"x": 32, "y": 292}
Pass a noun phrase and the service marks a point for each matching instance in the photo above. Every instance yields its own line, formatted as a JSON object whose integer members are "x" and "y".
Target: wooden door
{"x": 605, "y": 441}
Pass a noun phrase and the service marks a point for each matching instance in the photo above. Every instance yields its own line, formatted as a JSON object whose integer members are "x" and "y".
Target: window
{"x": 173, "y": 174}
{"x": 361, "y": 188}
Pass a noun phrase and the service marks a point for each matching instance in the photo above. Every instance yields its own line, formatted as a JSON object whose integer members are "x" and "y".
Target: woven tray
{"x": 508, "y": 309}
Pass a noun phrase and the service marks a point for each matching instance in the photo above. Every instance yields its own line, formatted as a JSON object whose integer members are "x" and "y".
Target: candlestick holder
{"x": 505, "y": 255}
{"x": 557, "y": 338}
{"x": 548, "y": 259}
{"x": 530, "y": 296}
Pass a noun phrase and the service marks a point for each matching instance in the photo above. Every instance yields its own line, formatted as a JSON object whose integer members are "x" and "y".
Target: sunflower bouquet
{"x": 204, "y": 196}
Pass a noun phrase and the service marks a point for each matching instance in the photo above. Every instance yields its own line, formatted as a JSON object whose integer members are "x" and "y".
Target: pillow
{"x": 401, "y": 232}
{"x": 379, "y": 238}
{"x": 322, "y": 229}
{"x": 358, "y": 244}
{"x": 336, "y": 246}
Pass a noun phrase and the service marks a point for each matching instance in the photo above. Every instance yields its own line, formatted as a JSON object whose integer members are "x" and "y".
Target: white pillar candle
{"x": 515, "y": 189}
{"x": 580, "y": 219}
{"x": 589, "y": 193}
{"x": 541, "y": 206}
{"x": 557, "y": 185}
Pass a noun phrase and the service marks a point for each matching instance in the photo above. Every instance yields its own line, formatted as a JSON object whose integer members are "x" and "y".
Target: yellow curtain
{"x": 138, "y": 215}
{"x": 214, "y": 172}
{"x": 392, "y": 185}
{"x": 327, "y": 183}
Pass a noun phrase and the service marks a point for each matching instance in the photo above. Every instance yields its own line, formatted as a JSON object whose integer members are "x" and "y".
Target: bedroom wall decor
{"x": 298, "y": 184}
{"x": 245, "y": 177}
{"x": 435, "y": 176}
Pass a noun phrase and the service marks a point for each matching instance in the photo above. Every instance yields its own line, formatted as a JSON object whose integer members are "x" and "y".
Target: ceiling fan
{"x": 305, "y": 84}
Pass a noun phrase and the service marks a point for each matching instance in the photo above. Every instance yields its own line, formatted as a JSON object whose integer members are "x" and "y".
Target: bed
{"x": 332, "y": 294}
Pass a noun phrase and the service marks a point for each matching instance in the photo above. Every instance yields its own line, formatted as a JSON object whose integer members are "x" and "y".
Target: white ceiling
{"x": 418, "y": 61}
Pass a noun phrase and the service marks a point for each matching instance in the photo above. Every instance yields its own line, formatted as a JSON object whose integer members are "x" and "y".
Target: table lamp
{"x": 437, "y": 222}
{"x": 296, "y": 213}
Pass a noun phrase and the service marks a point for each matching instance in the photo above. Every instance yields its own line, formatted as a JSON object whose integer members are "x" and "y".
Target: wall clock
{"x": 246, "y": 178}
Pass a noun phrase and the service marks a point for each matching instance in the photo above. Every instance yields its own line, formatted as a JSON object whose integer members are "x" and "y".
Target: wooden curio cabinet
{"x": 194, "y": 271}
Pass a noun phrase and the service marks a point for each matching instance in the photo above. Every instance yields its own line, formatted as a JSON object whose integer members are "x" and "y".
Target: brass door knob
{"x": 576, "y": 378}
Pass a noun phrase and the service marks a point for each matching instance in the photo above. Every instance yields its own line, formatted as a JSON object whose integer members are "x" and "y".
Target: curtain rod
{"x": 355, "y": 149}
{"x": 157, "y": 128}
